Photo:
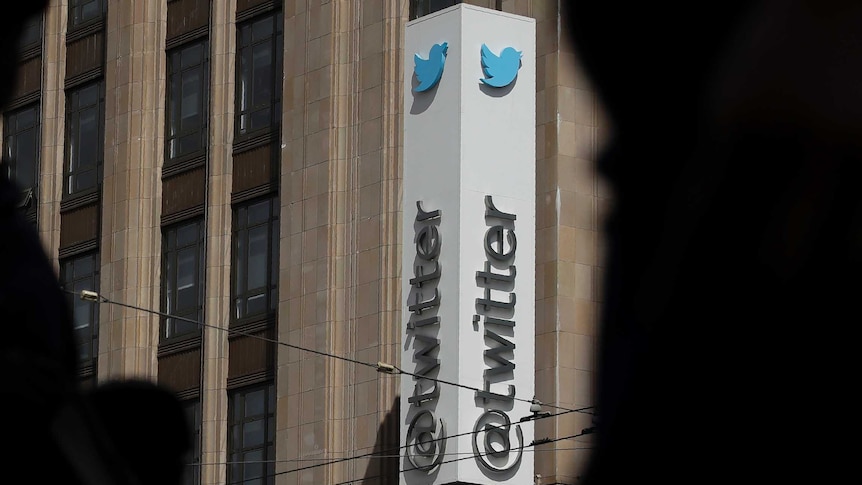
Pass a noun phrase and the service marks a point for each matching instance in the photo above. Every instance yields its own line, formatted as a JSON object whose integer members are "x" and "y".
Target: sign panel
{"x": 469, "y": 247}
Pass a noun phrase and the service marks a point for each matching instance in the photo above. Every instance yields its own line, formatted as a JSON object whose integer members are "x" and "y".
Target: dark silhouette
{"x": 735, "y": 244}
{"x": 121, "y": 433}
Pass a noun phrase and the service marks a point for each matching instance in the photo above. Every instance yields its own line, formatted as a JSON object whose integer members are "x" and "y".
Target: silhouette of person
{"x": 735, "y": 241}
{"x": 119, "y": 433}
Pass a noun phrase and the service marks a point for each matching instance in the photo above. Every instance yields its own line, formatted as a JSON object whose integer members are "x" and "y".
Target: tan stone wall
{"x": 341, "y": 199}
{"x": 131, "y": 195}
{"x": 53, "y": 127}
{"x": 214, "y": 402}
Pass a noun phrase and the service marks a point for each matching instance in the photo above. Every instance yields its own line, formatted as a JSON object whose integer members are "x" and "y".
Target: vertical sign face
{"x": 468, "y": 248}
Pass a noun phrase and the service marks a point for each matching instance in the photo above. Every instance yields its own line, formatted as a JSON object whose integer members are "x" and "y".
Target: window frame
{"x": 28, "y": 195}
{"x": 239, "y": 259}
{"x": 33, "y": 48}
{"x": 77, "y": 5}
{"x": 70, "y": 282}
{"x": 73, "y": 113}
{"x": 421, "y": 8}
{"x": 192, "y": 472}
{"x": 173, "y": 119}
{"x": 236, "y": 449}
{"x": 168, "y": 327}
{"x": 245, "y": 54}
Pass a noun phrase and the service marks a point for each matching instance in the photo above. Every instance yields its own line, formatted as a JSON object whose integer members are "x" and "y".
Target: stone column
{"x": 53, "y": 106}
{"x": 131, "y": 204}
{"x": 311, "y": 212}
{"x": 214, "y": 404}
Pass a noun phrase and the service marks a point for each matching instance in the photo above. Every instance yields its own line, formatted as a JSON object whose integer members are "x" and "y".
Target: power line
{"x": 390, "y": 450}
{"x": 296, "y": 460}
{"x": 476, "y": 455}
{"x": 380, "y": 366}
{"x": 98, "y": 298}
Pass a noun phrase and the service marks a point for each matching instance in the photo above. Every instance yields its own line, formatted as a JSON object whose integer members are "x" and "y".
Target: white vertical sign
{"x": 469, "y": 247}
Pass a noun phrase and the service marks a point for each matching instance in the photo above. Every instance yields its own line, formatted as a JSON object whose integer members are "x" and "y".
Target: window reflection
{"x": 419, "y": 8}
{"x": 251, "y": 436}
{"x": 254, "y": 258}
{"x": 259, "y": 69}
{"x": 20, "y": 146}
{"x": 85, "y": 11}
{"x": 186, "y": 99}
{"x": 182, "y": 275}
{"x": 83, "y": 138}
{"x": 78, "y": 274}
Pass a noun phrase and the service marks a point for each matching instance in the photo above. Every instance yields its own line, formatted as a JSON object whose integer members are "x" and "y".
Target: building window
{"x": 250, "y": 440}
{"x": 84, "y": 137}
{"x": 21, "y": 151}
{"x": 77, "y": 274}
{"x": 187, "y": 100}
{"x": 255, "y": 258}
{"x": 85, "y": 11}
{"x": 182, "y": 277}
{"x": 31, "y": 33}
{"x": 419, "y": 8}
{"x": 192, "y": 472}
{"x": 259, "y": 73}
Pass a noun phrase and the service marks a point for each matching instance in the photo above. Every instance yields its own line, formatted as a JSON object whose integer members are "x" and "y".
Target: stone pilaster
{"x": 131, "y": 204}
{"x": 214, "y": 404}
{"x": 53, "y": 108}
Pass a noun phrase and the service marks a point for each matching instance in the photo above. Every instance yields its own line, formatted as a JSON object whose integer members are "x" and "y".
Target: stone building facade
{"x": 238, "y": 162}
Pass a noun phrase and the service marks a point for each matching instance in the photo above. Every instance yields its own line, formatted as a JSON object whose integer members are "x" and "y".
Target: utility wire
{"x": 98, "y": 298}
{"x": 380, "y": 366}
{"x": 296, "y": 460}
{"x": 533, "y": 444}
{"x": 390, "y": 450}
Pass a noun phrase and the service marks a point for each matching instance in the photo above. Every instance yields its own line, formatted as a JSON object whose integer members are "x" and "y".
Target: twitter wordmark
{"x": 429, "y": 71}
{"x": 500, "y": 70}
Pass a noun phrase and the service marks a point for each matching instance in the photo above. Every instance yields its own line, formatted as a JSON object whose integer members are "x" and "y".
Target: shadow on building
{"x": 384, "y": 471}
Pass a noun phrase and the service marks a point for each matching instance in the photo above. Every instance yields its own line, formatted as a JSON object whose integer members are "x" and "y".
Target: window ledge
{"x": 29, "y": 52}
{"x": 84, "y": 77}
{"x": 183, "y": 164}
{"x": 88, "y": 28}
{"x": 189, "y": 36}
{"x": 80, "y": 199}
{"x": 253, "y": 324}
{"x": 250, "y": 379}
{"x": 246, "y": 142}
{"x": 179, "y": 344}
{"x": 255, "y": 10}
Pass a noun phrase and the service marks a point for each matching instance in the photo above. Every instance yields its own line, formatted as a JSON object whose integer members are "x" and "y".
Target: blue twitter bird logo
{"x": 429, "y": 71}
{"x": 500, "y": 70}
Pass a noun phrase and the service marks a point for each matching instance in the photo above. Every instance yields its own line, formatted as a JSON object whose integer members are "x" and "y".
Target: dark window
{"x": 84, "y": 138}
{"x": 187, "y": 81}
{"x": 85, "y": 11}
{"x": 182, "y": 277}
{"x": 192, "y": 472}
{"x": 250, "y": 436}
{"x": 255, "y": 258}
{"x": 21, "y": 150}
{"x": 259, "y": 73}
{"x": 31, "y": 33}
{"x": 78, "y": 274}
{"x": 418, "y": 8}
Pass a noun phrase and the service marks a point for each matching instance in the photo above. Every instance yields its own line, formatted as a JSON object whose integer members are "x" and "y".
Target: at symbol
{"x": 422, "y": 442}
{"x": 428, "y": 243}
{"x": 495, "y": 427}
